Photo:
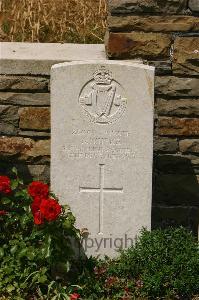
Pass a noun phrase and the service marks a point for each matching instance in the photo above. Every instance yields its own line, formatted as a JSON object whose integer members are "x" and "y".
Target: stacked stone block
{"x": 25, "y": 126}
{"x": 165, "y": 34}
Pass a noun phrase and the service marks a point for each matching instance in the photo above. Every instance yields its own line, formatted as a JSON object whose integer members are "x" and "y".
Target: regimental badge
{"x": 102, "y": 98}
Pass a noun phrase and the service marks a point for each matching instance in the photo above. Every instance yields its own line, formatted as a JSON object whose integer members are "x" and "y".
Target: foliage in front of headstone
{"x": 35, "y": 240}
{"x": 37, "y": 259}
{"x": 163, "y": 264}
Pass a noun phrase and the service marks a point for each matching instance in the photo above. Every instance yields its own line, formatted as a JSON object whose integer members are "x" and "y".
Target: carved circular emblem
{"x": 102, "y": 98}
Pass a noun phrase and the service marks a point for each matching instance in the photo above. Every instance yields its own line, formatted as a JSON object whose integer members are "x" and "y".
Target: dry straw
{"x": 79, "y": 21}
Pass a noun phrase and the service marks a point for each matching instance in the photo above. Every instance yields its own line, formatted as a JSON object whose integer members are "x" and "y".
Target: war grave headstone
{"x": 102, "y": 148}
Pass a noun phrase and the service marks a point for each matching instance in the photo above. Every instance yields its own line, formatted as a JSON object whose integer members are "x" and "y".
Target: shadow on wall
{"x": 175, "y": 193}
{"x": 26, "y": 172}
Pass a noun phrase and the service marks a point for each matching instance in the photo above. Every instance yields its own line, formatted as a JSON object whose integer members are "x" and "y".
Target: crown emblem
{"x": 102, "y": 76}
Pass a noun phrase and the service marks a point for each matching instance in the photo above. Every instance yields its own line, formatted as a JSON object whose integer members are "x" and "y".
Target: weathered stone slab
{"x": 178, "y": 126}
{"x": 164, "y": 144}
{"x": 189, "y": 146}
{"x": 135, "y": 44}
{"x": 10, "y": 83}
{"x": 180, "y": 107}
{"x": 7, "y": 129}
{"x": 186, "y": 55}
{"x": 39, "y": 172}
{"x": 9, "y": 119}
{"x": 172, "y": 86}
{"x": 33, "y": 133}
{"x": 12, "y": 146}
{"x": 153, "y": 23}
{"x": 24, "y": 149}
{"x": 37, "y": 118}
{"x": 147, "y": 6}
{"x": 9, "y": 114}
{"x": 38, "y": 58}
{"x": 101, "y": 163}
{"x": 26, "y": 99}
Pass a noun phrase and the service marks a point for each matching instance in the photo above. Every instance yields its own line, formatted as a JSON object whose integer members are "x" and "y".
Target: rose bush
{"x": 36, "y": 241}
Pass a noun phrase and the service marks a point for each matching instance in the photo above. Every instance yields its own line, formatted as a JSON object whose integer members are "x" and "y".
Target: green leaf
{"x": 14, "y": 170}
{"x": 22, "y": 194}
{"x": 5, "y": 200}
{"x": 21, "y": 181}
{"x": 31, "y": 254}
{"x": 23, "y": 285}
{"x": 14, "y": 184}
{"x": 50, "y": 286}
{"x": 67, "y": 224}
{"x": 13, "y": 249}
{"x": 24, "y": 220}
{"x": 10, "y": 288}
{"x": 23, "y": 252}
{"x": 42, "y": 279}
{"x": 1, "y": 252}
{"x": 47, "y": 245}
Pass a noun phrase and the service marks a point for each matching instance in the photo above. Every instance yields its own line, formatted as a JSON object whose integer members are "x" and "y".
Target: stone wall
{"x": 25, "y": 125}
{"x": 25, "y": 103}
{"x": 137, "y": 30}
{"x": 166, "y": 34}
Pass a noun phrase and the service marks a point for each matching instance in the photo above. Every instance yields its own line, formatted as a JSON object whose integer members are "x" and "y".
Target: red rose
{"x": 5, "y": 185}
{"x": 3, "y": 212}
{"x": 35, "y": 206}
{"x": 74, "y": 296}
{"x": 50, "y": 209}
{"x": 43, "y": 208}
{"x": 38, "y": 218}
{"x": 38, "y": 189}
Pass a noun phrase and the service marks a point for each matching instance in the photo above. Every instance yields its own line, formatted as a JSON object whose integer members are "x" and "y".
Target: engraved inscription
{"x": 101, "y": 190}
{"x": 102, "y": 98}
{"x": 112, "y": 144}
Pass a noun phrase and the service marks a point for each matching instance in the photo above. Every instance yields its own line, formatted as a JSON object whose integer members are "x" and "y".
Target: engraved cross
{"x": 101, "y": 190}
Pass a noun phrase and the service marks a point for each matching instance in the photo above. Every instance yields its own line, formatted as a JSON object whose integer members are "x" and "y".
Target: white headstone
{"x": 102, "y": 148}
